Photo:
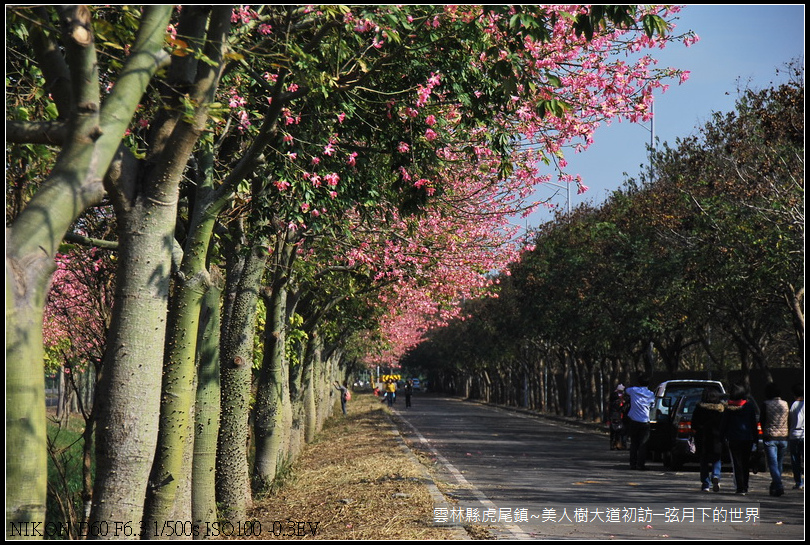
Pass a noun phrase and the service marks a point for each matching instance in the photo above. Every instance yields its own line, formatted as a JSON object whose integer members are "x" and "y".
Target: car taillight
{"x": 685, "y": 428}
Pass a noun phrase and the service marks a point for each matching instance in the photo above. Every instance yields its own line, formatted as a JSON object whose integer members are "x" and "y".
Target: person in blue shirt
{"x": 638, "y": 419}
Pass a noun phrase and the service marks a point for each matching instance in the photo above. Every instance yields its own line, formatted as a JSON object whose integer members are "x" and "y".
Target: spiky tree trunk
{"x": 297, "y": 396}
{"x": 311, "y": 372}
{"x": 244, "y": 274}
{"x": 179, "y": 372}
{"x": 206, "y": 425}
{"x": 93, "y": 136}
{"x": 273, "y": 416}
{"x": 146, "y": 208}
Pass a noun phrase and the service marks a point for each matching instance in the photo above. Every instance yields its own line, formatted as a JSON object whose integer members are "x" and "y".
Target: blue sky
{"x": 738, "y": 43}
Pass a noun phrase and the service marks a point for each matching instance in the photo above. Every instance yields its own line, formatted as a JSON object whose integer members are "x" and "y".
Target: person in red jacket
{"x": 617, "y": 416}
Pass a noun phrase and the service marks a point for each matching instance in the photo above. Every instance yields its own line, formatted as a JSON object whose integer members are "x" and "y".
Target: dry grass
{"x": 356, "y": 482}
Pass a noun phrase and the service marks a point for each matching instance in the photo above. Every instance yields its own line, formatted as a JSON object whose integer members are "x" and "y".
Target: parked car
{"x": 681, "y": 432}
{"x": 666, "y": 396}
{"x": 416, "y": 384}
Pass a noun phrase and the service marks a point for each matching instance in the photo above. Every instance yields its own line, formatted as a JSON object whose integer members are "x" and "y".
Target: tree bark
{"x": 273, "y": 410}
{"x": 74, "y": 184}
{"x": 206, "y": 427}
{"x": 311, "y": 370}
{"x": 243, "y": 277}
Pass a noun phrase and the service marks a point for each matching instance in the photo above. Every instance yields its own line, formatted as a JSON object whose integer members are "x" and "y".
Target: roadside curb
{"x": 439, "y": 500}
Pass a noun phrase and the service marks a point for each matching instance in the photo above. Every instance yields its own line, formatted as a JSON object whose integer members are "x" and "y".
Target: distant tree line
{"x": 696, "y": 266}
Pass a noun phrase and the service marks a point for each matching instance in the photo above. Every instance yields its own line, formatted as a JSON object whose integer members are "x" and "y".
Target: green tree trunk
{"x": 179, "y": 373}
{"x": 297, "y": 396}
{"x": 74, "y": 184}
{"x": 273, "y": 418}
{"x": 206, "y": 425}
{"x": 244, "y": 274}
{"x": 131, "y": 380}
{"x": 147, "y": 212}
{"x": 311, "y": 372}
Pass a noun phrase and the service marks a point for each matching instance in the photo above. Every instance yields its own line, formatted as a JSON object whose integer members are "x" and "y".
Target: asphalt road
{"x": 524, "y": 476}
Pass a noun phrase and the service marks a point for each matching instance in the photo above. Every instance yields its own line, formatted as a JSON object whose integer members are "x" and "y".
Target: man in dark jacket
{"x": 708, "y": 441}
{"x": 739, "y": 428}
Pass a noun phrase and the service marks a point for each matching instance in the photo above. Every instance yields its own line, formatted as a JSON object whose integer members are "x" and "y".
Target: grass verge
{"x": 355, "y": 481}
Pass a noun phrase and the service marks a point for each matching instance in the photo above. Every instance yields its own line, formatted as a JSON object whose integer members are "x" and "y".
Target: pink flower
{"x": 329, "y": 149}
{"x": 236, "y": 101}
{"x": 431, "y": 135}
{"x": 403, "y": 147}
{"x": 244, "y": 121}
{"x": 352, "y": 160}
{"x": 582, "y": 188}
{"x": 424, "y": 95}
{"x": 430, "y": 120}
{"x": 341, "y": 116}
{"x": 332, "y": 179}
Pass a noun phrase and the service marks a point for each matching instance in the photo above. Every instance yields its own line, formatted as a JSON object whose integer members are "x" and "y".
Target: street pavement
{"x": 527, "y": 476}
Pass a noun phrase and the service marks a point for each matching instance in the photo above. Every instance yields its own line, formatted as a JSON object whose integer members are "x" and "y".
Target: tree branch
{"x": 36, "y": 132}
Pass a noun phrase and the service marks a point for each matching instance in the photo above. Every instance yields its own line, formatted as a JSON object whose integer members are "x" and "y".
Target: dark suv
{"x": 666, "y": 396}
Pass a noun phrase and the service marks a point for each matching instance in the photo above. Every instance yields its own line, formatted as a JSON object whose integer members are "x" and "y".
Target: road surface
{"x": 523, "y": 476}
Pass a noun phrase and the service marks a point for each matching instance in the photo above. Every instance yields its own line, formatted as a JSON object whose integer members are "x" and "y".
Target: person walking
{"x": 408, "y": 393}
{"x": 796, "y": 436}
{"x": 775, "y": 434}
{"x": 738, "y": 428}
{"x": 638, "y": 418}
{"x": 344, "y": 394}
{"x": 617, "y": 416}
{"x": 390, "y": 391}
{"x": 708, "y": 442}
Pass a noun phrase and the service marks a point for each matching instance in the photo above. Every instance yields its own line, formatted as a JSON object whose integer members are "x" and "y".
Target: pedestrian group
{"x": 717, "y": 425}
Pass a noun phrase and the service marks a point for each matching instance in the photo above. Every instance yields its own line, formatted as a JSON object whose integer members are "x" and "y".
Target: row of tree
{"x": 697, "y": 266}
{"x": 234, "y": 204}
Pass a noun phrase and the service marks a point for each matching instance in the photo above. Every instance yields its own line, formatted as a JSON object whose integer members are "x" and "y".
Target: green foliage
{"x": 296, "y": 339}
{"x": 64, "y": 502}
{"x": 700, "y": 260}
